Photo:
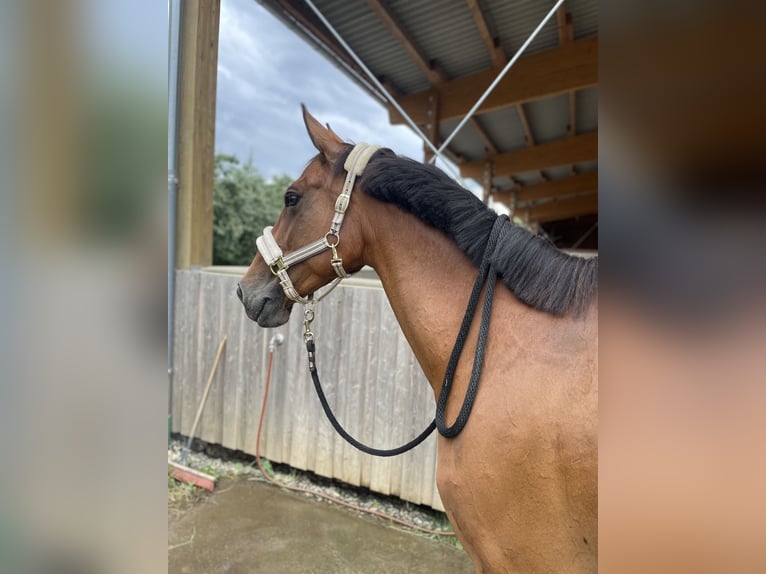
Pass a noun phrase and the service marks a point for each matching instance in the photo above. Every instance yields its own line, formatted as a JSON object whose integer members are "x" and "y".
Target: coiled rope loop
{"x": 488, "y": 274}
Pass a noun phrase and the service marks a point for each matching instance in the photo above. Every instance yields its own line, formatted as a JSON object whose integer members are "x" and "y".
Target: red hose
{"x": 319, "y": 494}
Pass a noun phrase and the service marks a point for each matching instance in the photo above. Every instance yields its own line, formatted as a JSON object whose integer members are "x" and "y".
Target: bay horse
{"x": 519, "y": 484}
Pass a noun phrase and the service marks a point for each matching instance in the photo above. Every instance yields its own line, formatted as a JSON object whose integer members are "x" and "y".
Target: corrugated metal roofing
{"x": 549, "y": 118}
{"x": 445, "y": 32}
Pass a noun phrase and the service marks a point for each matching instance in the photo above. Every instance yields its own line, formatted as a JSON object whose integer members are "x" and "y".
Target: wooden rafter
{"x": 566, "y": 35}
{"x": 572, "y": 66}
{"x": 560, "y": 152}
{"x": 498, "y": 57}
{"x": 393, "y": 25}
{"x": 574, "y": 184}
{"x": 432, "y": 72}
{"x": 564, "y": 208}
{"x": 496, "y": 52}
{"x": 528, "y": 136}
{"x": 486, "y": 141}
{"x": 432, "y": 129}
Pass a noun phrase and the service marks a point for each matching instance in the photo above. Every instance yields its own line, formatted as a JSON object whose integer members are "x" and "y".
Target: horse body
{"x": 519, "y": 484}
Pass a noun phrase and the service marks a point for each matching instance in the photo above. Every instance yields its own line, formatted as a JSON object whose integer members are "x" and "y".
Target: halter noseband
{"x": 279, "y": 264}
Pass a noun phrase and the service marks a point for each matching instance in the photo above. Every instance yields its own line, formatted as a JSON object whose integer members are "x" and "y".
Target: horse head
{"x": 309, "y": 207}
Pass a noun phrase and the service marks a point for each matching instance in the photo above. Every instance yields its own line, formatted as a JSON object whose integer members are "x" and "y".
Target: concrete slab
{"x": 251, "y": 527}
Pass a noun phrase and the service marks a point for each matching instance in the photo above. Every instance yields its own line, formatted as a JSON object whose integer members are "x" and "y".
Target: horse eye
{"x": 291, "y": 199}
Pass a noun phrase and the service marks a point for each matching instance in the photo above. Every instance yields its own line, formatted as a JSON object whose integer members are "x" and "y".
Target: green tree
{"x": 244, "y": 203}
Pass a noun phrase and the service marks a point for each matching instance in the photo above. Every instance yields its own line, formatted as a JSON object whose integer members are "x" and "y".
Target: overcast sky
{"x": 265, "y": 71}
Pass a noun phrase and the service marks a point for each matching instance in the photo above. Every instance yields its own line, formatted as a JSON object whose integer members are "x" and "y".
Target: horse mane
{"x": 537, "y": 272}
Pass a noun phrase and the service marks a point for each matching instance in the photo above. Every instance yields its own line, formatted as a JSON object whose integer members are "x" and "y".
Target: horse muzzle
{"x": 266, "y": 304}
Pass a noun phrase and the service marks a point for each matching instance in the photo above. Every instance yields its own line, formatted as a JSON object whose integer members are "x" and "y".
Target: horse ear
{"x": 324, "y": 139}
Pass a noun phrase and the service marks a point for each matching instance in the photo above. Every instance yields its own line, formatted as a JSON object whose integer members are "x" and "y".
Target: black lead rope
{"x": 342, "y": 432}
{"x": 486, "y": 269}
{"x": 486, "y": 272}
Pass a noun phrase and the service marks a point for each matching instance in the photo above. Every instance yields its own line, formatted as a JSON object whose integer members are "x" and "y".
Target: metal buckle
{"x": 277, "y": 266}
{"x": 308, "y": 317}
{"x": 334, "y": 234}
{"x": 335, "y": 257}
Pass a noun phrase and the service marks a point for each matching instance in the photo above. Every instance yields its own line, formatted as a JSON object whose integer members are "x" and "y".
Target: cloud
{"x": 265, "y": 72}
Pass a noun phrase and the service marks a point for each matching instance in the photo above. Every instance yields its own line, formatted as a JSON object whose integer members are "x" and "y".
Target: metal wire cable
{"x": 497, "y": 80}
{"x": 438, "y": 152}
{"x": 382, "y": 89}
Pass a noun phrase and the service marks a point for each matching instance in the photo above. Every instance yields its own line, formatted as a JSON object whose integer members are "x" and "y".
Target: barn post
{"x": 196, "y": 135}
{"x": 432, "y": 125}
{"x": 192, "y": 76}
{"x": 487, "y": 182}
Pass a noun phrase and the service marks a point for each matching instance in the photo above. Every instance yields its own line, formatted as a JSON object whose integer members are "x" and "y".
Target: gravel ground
{"x": 219, "y": 462}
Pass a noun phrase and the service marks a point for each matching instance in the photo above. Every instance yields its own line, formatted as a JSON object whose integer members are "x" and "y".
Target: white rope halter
{"x": 279, "y": 264}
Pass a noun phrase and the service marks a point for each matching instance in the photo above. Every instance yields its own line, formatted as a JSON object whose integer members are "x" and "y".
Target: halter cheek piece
{"x": 279, "y": 264}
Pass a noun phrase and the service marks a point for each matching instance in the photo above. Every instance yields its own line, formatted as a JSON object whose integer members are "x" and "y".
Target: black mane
{"x": 533, "y": 269}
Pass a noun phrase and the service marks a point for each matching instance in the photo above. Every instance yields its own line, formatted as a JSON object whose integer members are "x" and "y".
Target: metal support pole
{"x": 174, "y": 50}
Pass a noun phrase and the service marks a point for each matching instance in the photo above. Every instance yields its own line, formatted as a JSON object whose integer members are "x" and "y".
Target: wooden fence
{"x": 371, "y": 379}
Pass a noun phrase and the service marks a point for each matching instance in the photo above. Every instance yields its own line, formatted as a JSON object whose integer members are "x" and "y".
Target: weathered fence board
{"x": 371, "y": 379}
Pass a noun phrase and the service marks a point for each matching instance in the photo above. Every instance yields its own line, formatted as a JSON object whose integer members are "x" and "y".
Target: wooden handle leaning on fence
{"x": 209, "y": 384}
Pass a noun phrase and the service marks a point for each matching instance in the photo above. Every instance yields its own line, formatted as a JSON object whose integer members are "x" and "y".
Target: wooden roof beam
{"x": 433, "y": 73}
{"x": 565, "y": 208}
{"x": 566, "y": 35}
{"x": 496, "y": 52}
{"x": 528, "y": 136}
{"x": 486, "y": 141}
{"x": 497, "y": 55}
{"x": 391, "y": 22}
{"x": 560, "y": 152}
{"x": 580, "y": 183}
{"x": 499, "y": 59}
{"x": 564, "y": 23}
{"x": 572, "y": 66}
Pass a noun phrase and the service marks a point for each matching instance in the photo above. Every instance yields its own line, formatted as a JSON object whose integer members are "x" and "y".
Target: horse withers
{"x": 519, "y": 483}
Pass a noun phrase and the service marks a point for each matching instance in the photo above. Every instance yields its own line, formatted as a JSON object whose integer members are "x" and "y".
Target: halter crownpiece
{"x": 279, "y": 263}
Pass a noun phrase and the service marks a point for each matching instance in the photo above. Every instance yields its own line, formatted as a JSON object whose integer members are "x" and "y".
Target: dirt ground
{"x": 247, "y": 526}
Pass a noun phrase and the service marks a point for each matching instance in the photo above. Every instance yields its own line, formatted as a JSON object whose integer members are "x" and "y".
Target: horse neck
{"x": 427, "y": 280}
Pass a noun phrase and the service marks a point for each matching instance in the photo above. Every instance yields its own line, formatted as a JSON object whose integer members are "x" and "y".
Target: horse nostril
{"x": 239, "y": 291}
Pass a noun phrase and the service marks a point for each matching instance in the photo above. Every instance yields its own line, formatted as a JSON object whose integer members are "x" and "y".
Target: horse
{"x": 520, "y": 483}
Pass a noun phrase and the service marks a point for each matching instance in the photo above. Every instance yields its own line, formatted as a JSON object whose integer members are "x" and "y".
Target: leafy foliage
{"x": 244, "y": 203}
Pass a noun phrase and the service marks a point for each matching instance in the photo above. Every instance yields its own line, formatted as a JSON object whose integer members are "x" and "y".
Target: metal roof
{"x": 445, "y": 36}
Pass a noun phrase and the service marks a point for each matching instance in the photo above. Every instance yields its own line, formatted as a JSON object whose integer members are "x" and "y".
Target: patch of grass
{"x": 181, "y": 493}
{"x": 267, "y": 466}
{"x": 211, "y": 471}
